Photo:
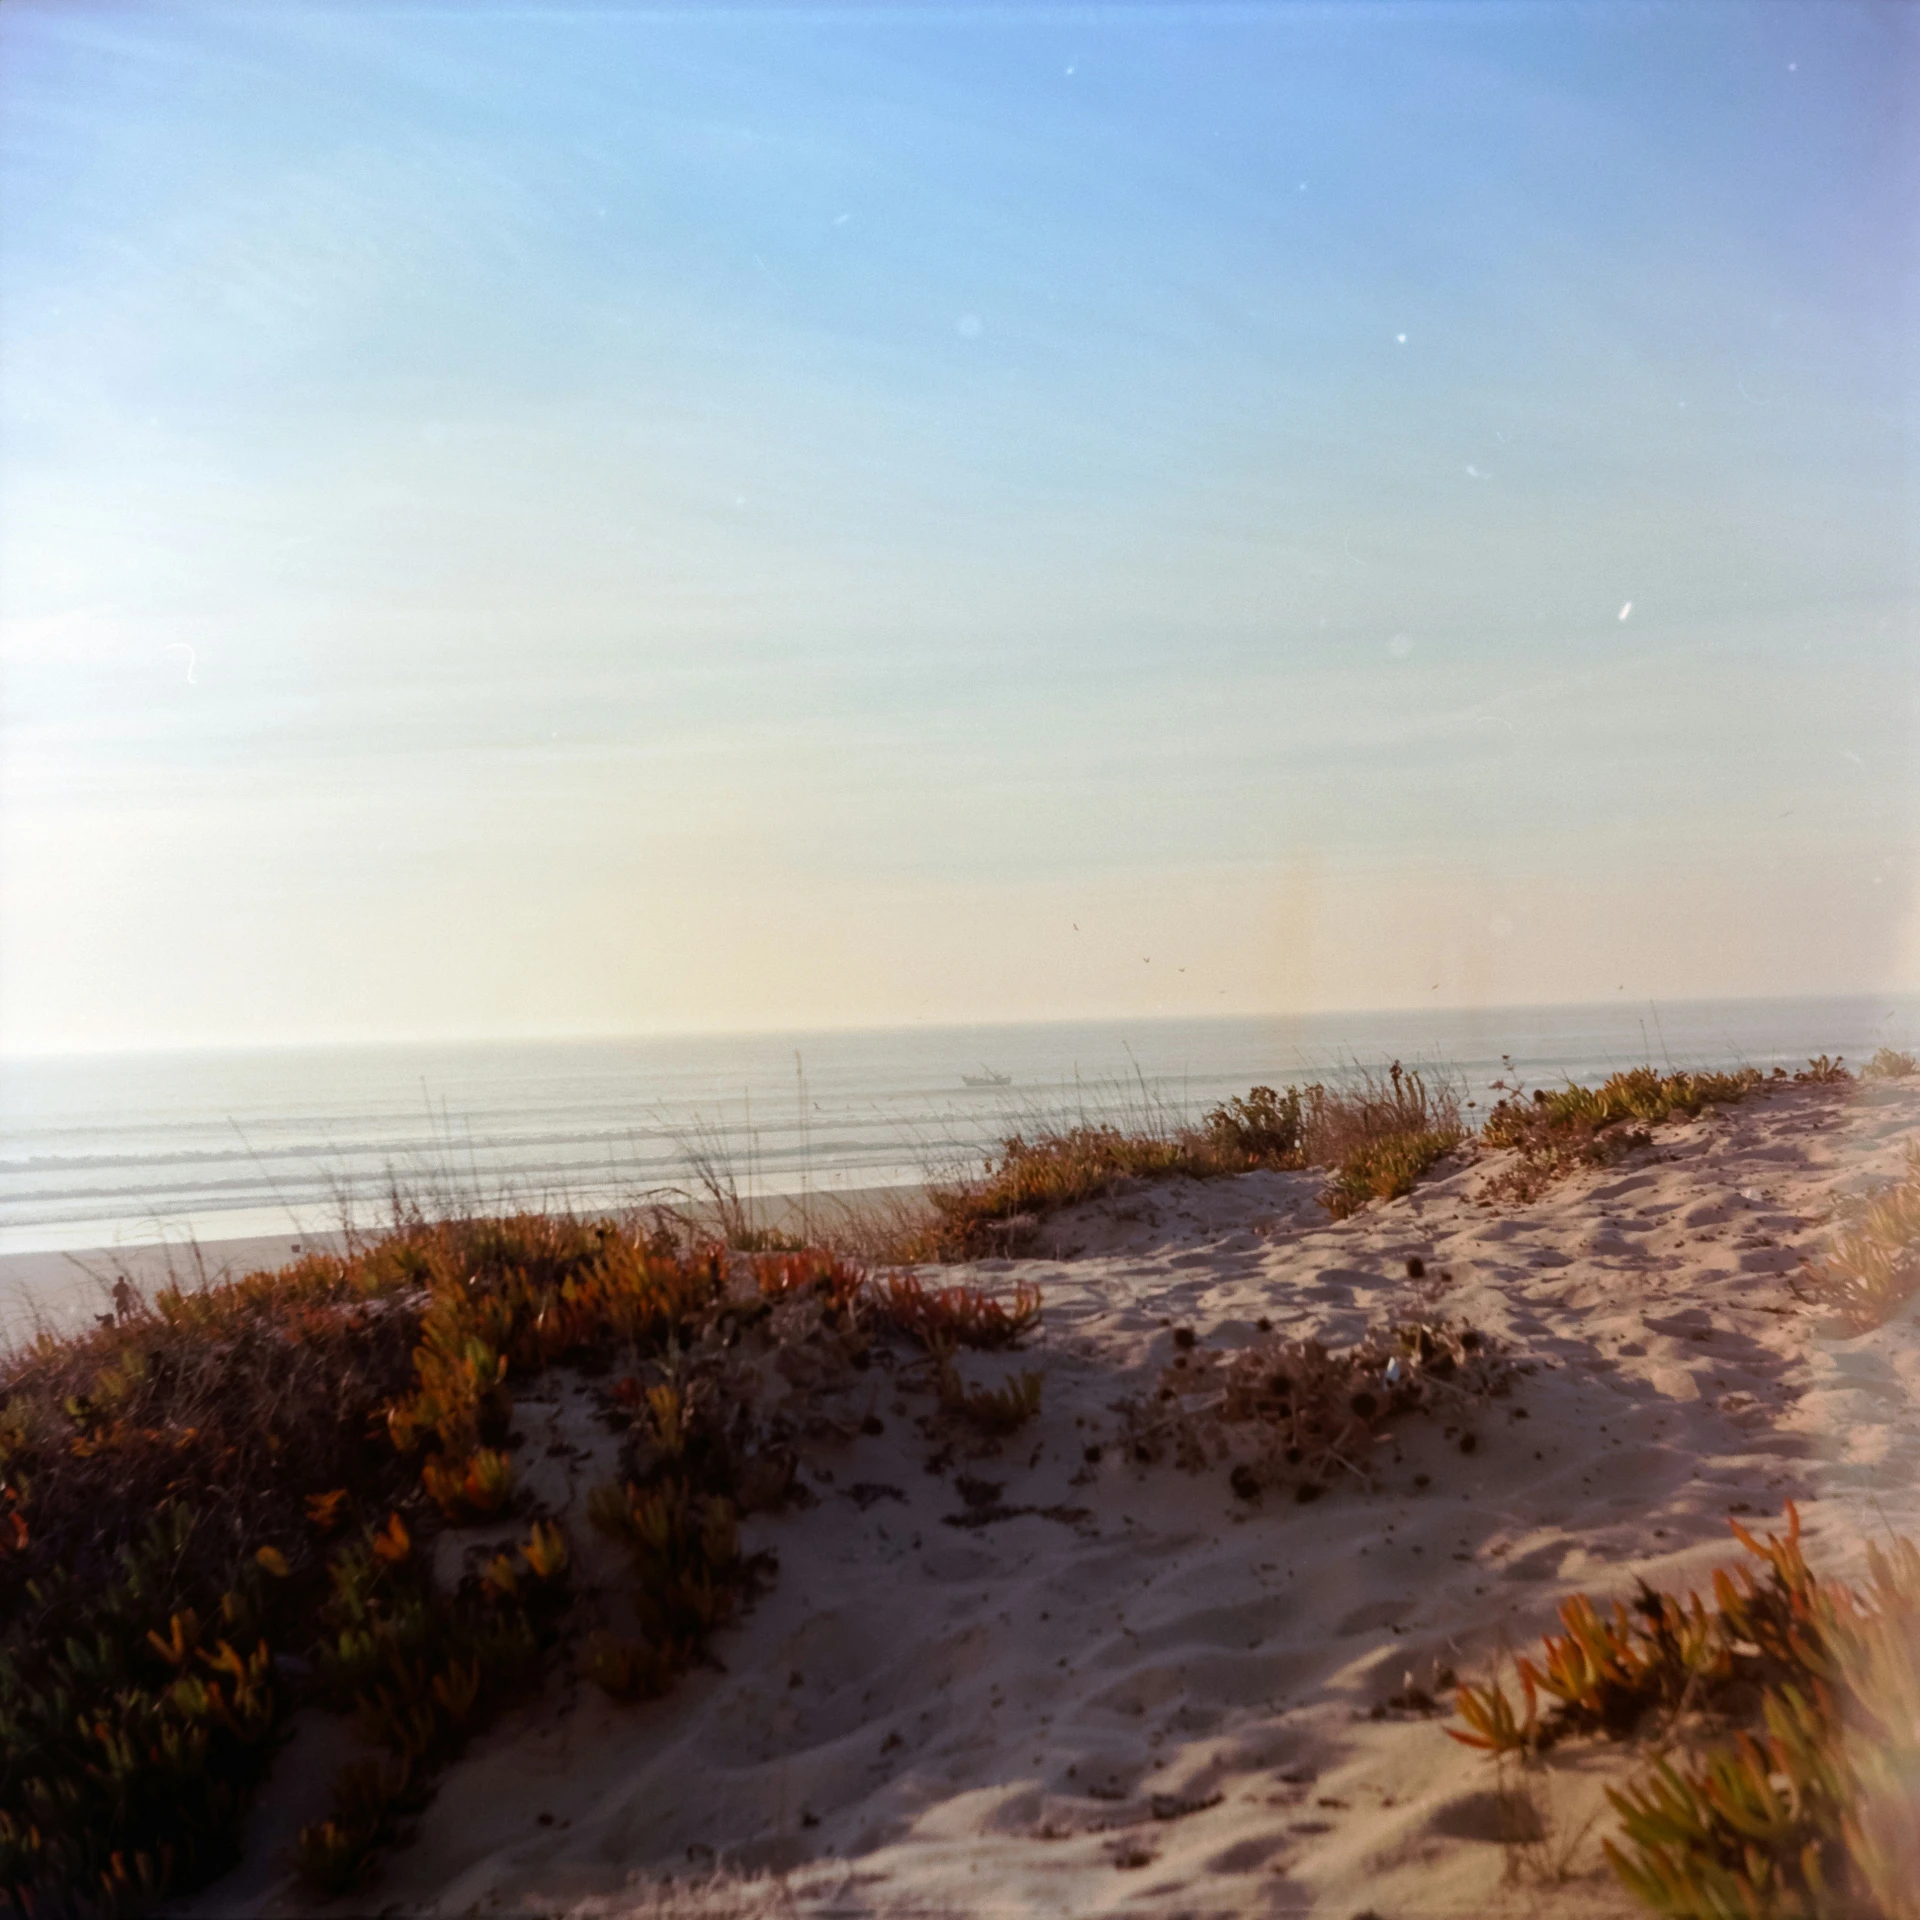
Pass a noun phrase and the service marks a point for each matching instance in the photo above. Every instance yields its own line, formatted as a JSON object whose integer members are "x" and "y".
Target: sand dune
{"x": 1023, "y": 1681}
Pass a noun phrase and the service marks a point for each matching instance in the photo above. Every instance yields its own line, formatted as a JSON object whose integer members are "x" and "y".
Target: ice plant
{"x": 1803, "y": 1797}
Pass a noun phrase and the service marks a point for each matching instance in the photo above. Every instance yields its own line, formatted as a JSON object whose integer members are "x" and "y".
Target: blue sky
{"x": 573, "y": 520}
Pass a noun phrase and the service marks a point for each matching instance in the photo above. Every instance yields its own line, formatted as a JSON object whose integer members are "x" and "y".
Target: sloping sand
{"x": 1027, "y": 1684}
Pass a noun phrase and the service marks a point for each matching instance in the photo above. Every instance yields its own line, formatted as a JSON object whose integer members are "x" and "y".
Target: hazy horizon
{"x": 617, "y": 522}
{"x": 1896, "y": 1002}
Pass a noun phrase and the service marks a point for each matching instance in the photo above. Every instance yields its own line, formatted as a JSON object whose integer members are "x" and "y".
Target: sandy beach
{"x": 1039, "y": 1676}
{"x": 62, "y": 1287}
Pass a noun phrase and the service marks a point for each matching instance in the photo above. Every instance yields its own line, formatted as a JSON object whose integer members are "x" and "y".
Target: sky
{"x": 567, "y": 520}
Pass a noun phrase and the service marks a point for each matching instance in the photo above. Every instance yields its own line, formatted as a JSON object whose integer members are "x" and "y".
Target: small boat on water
{"x": 986, "y": 1077}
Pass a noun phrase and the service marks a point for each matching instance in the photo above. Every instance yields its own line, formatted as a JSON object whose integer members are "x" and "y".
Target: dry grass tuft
{"x": 1294, "y": 1416}
{"x": 997, "y": 1212}
{"x": 1337, "y": 1123}
{"x": 1379, "y": 1135}
{"x": 1890, "y": 1064}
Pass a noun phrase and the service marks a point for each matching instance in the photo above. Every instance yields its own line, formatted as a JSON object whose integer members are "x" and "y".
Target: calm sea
{"x": 104, "y": 1150}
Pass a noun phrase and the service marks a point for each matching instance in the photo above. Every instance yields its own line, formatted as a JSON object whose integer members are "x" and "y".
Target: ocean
{"x": 123, "y": 1150}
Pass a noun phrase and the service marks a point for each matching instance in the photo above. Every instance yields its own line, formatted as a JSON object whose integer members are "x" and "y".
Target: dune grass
{"x": 1368, "y": 1109}
{"x": 1376, "y": 1133}
{"x": 1029, "y": 1178}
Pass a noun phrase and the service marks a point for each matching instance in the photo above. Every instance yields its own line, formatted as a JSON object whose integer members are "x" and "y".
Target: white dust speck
{"x": 968, "y": 326}
{"x": 1071, "y": 71}
{"x": 1400, "y": 646}
{"x": 1627, "y": 609}
{"x": 180, "y": 646}
{"x": 1402, "y": 338}
{"x": 1474, "y": 473}
{"x": 841, "y": 219}
{"x": 1847, "y": 753}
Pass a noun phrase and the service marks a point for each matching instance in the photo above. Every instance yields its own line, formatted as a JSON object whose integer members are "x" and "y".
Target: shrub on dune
{"x": 1378, "y": 1132}
{"x": 225, "y": 1489}
{"x": 1385, "y": 1169}
{"x": 1796, "y": 1705}
{"x": 1556, "y": 1132}
{"x": 224, "y": 1505}
{"x": 1890, "y": 1064}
